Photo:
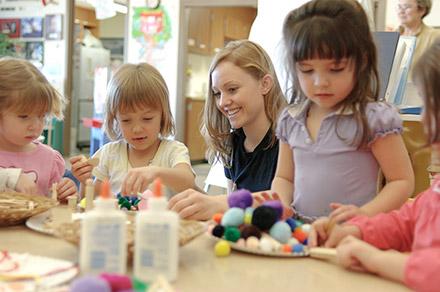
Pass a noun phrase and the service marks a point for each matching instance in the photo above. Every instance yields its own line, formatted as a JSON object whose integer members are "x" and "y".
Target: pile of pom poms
{"x": 107, "y": 282}
{"x": 261, "y": 228}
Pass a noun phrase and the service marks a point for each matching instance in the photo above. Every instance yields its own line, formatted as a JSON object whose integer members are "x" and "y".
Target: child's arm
{"x": 282, "y": 183}
{"x": 14, "y": 179}
{"x": 393, "y": 159}
{"x": 355, "y": 254}
{"x": 195, "y": 205}
{"x": 178, "y": 178}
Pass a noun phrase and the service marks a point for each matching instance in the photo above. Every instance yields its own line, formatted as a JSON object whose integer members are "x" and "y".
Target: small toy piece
{"x": 248, "y": 230}
{"x": 222, "y": 248}
{"x": 233, "y": 217}
{"x": 217, "y": 218}
{"x": 240, "y": 199}
{"x": 280, "y": 231}
{"x": 232, "y": 233}
{"x": 218, "y": 231}
{"x": 264, "y": 217}
{"x": 252, "y": 242}
{"x": 277, "y": 206}
{"x": 129, "y": 203}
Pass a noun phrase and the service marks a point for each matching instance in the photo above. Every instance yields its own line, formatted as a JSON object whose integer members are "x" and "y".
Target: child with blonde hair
{"x": 138, "y": 119}
{"x": 336, "y": 135}
{"x": 239, "y": 121}
{"x": 403, "y": 245}
{"x": 27, "y": 102}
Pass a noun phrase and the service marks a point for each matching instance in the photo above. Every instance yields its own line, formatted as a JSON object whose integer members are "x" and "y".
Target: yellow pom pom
{"x": 222, "y": 248}
{"x": 247, "y": 218}
{"x": 82, "y": 203}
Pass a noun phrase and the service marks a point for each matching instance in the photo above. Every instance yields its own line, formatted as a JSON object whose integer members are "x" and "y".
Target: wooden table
{"x": 201, "y": 270}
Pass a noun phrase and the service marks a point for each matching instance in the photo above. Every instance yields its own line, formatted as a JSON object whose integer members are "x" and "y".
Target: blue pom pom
{"x": 297, "y": 248}
{"x": 291, "y": 223}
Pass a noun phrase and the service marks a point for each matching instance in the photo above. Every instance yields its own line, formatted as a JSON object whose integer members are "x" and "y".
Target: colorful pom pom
{"x": 218, "y": 231}
{"x": 222, "y": 248}
{"x": 280, "y": 231}
{"x": 264, "y": 217}
{"x": 232, "y": 233}
{"x": 240, "y": 199}
{"x": 233, "y": 217}
{"x": 250, "y": 230}
{"x": 277, "y": 206}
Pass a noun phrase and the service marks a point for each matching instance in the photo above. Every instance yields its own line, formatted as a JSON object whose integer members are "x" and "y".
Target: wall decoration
{"x": 10, "y": 27}
{"x": 35, "y": 51}
{"x": 32, "y": 27}
{"x": 54, "y": 27}
{"x": 19, "y": 49}
{"x": 152, "y": 29}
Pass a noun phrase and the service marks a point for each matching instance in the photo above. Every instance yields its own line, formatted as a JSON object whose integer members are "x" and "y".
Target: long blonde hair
{"x": 23, "y": 88}
{"x": 215, "y": 127}
{"x": 133, "y": 86}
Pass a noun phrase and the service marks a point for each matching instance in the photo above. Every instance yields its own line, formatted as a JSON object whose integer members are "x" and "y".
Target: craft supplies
{"x": 103, "y": 246}
{"x": 156, "y": 239}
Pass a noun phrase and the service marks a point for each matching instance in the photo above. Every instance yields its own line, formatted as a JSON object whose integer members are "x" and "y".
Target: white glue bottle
{"x": 103, "y": 246}
{"x": 156, "y": 240}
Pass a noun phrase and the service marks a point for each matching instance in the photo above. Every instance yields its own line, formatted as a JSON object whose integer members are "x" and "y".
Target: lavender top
{"x": 330, "y": 169}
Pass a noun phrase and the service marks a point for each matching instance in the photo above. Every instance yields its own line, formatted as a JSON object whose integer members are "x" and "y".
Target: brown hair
{"x": 335, "y": 29}
{"x": 134, "y": 86}
{"x": 23, "y": 88}
{"x": 426, "y": 76}
{"x": 251, "y": 58}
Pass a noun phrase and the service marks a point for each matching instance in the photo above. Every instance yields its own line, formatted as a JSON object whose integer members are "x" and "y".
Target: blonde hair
{"x": 23, "y": 88}
{"x": 133, "y": 86}
{"x": 335, "y": 29}
{"x": 216, "y": 129}
{"x": 426, "y": 76}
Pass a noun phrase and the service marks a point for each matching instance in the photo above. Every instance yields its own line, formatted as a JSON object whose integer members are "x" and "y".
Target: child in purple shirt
{"x": 337, "y": 135}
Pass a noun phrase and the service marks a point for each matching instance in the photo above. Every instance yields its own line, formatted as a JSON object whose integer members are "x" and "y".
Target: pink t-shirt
{"x": 43, "y": 164}
{"x": 414, "y": 228}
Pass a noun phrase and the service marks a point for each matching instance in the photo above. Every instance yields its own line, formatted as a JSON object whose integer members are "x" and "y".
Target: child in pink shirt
{"x": 403, "y": 245}
{"x": 27, "y": 101}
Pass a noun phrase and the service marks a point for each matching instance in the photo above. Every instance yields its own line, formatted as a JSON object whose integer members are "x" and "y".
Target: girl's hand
{"x": 26, "y": 185}
{"x": 138, "y": 179}
{"x": 66, "y": 188}
{"x": 355, "y": 254}
{"x": 262, "y": 197}
{"x": 80, "y": 168}
{"x": 342, "y": 213}
{"x": 325, "y": 232}
{"x": 191, "y": 204}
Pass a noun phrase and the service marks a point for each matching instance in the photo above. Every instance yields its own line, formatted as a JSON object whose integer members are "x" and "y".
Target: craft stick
{"x": 72, "y": 202}
{"x": 323, "y": 253}
{"x": 54, "y": 192}
{"x": 93, "y": 161}
{"x": 90, "y": 194}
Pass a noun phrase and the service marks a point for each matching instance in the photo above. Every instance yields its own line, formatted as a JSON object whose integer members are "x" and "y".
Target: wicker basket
{"x": 15, "y": 208}
{"x": 71, "y": 231}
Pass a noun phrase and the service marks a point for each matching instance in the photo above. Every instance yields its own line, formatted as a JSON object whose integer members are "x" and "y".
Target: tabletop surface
{"x": 201, "y": 270}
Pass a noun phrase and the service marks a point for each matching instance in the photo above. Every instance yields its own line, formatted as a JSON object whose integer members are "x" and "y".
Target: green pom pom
{"x": 232, "y": 234}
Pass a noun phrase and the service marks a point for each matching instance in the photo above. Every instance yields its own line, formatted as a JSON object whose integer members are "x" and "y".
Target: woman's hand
{"x": 191, "y": 204}
{"x": 342, "y": 213}
{"x": 25, "y": 184}
{"x": 138, "y": 179}
{"x": 66, "y": 188}
{"x": 80, "y": 168}
{"x": 262, "y": 197}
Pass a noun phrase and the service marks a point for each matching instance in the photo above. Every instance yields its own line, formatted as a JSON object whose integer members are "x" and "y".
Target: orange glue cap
{"x": 105, "y": 190}
{"x": 157, "y": 188}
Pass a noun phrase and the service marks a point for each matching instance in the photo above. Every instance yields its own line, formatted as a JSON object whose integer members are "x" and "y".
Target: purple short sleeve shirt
{"x": 331, "y": 169}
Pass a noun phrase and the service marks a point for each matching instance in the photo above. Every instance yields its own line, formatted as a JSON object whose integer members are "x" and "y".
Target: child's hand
{"x": 193, "y": 205}
{"x": 355, "y": 254}
{"x": 342, "y": 213}
{"x": 323, "y": 232}
{"x": 66, "y": 188}
{"x": 138, "y": 179}
{"x": 260, "y": 198}
{"x": 26, "y": 185}
{"x": 80, "y": 168}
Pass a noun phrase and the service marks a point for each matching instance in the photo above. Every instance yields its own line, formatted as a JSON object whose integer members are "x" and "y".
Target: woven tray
{"x": 71, "y": 231}
{"x": 15, "y": 208}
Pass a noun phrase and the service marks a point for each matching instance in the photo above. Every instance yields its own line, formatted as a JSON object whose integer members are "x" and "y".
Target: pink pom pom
{"x": 143, "y": 204}
{"x": 117, "y": 282}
